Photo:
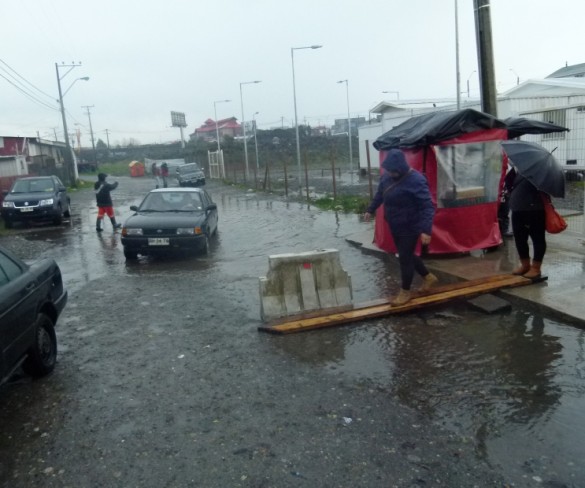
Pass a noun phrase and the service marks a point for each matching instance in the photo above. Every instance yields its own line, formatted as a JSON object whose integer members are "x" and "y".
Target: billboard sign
{"x": 178, "y": 119}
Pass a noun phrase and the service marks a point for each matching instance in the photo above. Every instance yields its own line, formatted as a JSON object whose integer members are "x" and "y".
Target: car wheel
{"x": 42, "y": 356}
{"x": 205, "y": 249}
{"x": 67, "y": 212}
{"x": 58, "y": 219}
{"x": 8, "y": 223}
{"x": 130, "y": 255}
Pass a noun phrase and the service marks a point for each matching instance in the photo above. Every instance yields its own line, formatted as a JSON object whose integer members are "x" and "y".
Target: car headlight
{"x": 131, "y": 232}
{"x": 7, "y": 204}
{"x": 185, "y": 231}
{"x": 48, "y": 201}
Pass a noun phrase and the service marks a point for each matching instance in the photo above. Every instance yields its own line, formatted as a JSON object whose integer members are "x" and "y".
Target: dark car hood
{"x": 20, "y": 197}
{"x": 165, "y": 220}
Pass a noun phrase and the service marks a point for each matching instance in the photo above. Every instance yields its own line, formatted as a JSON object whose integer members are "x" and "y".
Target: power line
{"x": 25, "y": 80}
{"x": 29, "y": 95}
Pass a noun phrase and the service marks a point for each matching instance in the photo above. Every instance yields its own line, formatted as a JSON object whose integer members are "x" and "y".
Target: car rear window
{"x": 187, "y": 168}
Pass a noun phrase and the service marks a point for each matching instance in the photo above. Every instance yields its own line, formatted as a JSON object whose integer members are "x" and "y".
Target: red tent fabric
{"x": 456, "y": 229}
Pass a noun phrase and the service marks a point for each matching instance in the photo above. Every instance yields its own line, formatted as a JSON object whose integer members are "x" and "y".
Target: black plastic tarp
{"x": 436, "y": 127}
{"x": 518, "y": 126}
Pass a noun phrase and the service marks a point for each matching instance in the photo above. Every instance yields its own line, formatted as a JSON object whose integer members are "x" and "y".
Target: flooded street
{"x": 164, "y": 381}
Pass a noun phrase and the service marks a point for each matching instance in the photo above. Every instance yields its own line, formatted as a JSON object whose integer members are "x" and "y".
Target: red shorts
{"x": 109, "y": 211}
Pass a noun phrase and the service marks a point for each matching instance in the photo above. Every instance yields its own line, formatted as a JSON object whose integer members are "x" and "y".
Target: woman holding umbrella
{"x": 535, "y": 175}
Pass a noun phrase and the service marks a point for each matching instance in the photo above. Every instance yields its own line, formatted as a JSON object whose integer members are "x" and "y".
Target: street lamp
{"x": 292, "y": 55}
{"x": 256, "y": 142}
{"x": 472, "y": 73}
{"x": 244, "y": 124}
{"x": 348, "y": 128}
{"x": 217, "y": 125}
{"x": 84, "y": 78}
{"x": 517, "y": 77}
{"x": 395, "y": 93}
{"x": 69, "y": 159}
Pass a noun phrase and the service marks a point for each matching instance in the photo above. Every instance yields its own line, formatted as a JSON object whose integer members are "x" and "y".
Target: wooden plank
{"x": 370, "y": 311}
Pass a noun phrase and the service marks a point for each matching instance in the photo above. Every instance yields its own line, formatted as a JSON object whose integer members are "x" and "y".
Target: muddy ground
{"x": 164, "y": 381}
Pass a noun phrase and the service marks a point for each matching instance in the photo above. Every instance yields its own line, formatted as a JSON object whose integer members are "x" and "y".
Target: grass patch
{"x": 81, "y": 185}
{"x": 119, "y": 168}
{"x": 343, "y": 203}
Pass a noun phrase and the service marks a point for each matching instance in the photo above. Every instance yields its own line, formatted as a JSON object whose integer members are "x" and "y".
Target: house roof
{"x": 547, "y": 87}
{"x": 210, "y": 125}
{"x": 575, "y": 70}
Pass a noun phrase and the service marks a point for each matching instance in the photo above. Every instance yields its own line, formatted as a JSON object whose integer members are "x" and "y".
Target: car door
{"x": 212, "y": 214}
{"x": 18, "y": 308}
{"x": 61, "y": 192}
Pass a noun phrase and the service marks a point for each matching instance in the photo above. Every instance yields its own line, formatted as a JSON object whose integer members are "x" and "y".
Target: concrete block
{"x": 490, "y": 304}
{"x": 304, "y": 282}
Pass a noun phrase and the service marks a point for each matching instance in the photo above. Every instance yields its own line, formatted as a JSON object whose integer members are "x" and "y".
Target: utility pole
{"x": 108, "y": 139}
{"x": 55, "y": 132}
{"x": 458, "y": 72}
{"x": 87, "y": 107}
{"x": 41, "y": 148}
{"x": 485, "y": 57}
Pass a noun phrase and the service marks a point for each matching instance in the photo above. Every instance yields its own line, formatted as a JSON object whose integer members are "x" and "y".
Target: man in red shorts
{"x": 104, "y": 201}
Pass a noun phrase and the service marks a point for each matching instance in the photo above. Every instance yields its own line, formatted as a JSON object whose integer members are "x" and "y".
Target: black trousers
{"x": 409, "y": 261}
{"x": 529, "y": 224}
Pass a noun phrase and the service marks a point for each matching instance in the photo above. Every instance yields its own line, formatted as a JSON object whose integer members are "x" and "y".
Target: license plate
{"x": 158, "y": 241}
{"x": 27, "y": 209}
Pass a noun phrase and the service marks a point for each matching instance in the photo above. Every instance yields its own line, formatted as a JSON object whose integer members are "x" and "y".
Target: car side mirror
{"x": 134, "y": 208}
{"x": 62, "y": 188}
{"x": 212, "y": 206}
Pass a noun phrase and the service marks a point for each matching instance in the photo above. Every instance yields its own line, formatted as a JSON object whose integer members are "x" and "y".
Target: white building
{"x": 557, "y": 100}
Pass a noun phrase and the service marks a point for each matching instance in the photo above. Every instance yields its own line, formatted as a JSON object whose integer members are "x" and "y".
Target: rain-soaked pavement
{"x": 163, "y": 380}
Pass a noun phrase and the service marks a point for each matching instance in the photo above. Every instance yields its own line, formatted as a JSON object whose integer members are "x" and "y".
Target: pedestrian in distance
{"x": 409, "y": 213}
{"x": 155, "y": 174}
{"x": 164, "y": 172}
{"x": 104, "y": 201}
{"x": 528, "y": 222}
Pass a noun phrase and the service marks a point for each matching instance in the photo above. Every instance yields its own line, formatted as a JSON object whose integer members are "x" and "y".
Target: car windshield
{"x": 172, "y": 201}
{"x": 44, "y": 185}
{"x": 188, "y": 168}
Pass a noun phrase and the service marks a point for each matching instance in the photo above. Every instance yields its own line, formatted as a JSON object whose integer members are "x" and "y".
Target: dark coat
{"x": 102, "y": 193}
{"x": 524, "y": 196}
{"x": 408, "y": 207}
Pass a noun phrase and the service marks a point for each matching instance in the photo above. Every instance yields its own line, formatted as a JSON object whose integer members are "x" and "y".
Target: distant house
{"x": 319, "y": 130}
{"x": 573, "y": 71}
{"x": 25, "y": 155}
{"x": 340, "y": 125}
{"x": 226, "y": 127}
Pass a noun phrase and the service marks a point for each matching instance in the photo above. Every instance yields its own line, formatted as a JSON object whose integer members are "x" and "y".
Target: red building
{"x": 29, "y": 155}
{"x": 227, "y": 127}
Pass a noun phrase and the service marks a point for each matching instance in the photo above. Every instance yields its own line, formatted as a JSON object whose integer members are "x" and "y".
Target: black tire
{"x": 58, "y": 219}
{"x": 130, "y": 254}
{"x": 42, "y": 355}
{"x": 67, "y": 213}
{"x": 205, "y": 248}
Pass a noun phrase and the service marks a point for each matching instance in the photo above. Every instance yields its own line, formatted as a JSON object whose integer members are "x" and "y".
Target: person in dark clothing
{"x": 164, "y": 173}
{"x": 104, "y": 201}
{"x": 409, "y": 212}
{"x": 528, "y": 221}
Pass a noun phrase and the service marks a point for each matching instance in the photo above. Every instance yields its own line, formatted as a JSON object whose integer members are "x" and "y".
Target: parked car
{"x": 190, "y": 175}
{"x": 170, "y": 219}
{"x": 31, "y": 300}
{"x": 36, "y": 198}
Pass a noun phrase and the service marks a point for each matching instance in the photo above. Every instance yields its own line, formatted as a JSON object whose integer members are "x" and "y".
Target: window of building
{"x": 558, "y": 117}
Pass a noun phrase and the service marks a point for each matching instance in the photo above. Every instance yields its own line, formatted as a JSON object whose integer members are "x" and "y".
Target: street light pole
{"x": 256, "y": 143}
{"x": 69, "y": 160}
{"x": 244, "y": 124}
{"x": 457, "y": 70}
{"x": 348, "y": 128}
{"x": 292, "y": 55}
{"x": 517, "y": 77}
{"x": 472, "y": 73}
{"x": 397, "y": 93}
{"x": 87, "y": 107}
{"x": 216, "y": 124}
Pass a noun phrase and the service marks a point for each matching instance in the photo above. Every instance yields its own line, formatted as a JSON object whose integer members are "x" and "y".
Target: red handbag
{"x": 554, "y": 222}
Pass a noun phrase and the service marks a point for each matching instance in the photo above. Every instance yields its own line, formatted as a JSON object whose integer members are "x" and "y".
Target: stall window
{"x": 468, "y": 174}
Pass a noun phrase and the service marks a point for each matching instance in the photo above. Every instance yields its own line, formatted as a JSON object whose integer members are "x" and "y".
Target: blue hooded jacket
{"x": 408, "y": 207}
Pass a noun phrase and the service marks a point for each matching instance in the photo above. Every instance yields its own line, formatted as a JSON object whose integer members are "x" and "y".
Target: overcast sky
{"x": 148, "y": 57}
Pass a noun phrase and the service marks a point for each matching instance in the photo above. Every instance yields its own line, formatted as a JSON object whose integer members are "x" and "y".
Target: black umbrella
{"x": 518, "y": 126}
{"x": 537, "y": 165}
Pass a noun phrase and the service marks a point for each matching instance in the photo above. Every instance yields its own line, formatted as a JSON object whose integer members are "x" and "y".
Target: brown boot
{"x": 523, "y": 268}
{"x": 534, "y": 271}
{"x": 429, "y": 281}
{"x": 401, "y": 299}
